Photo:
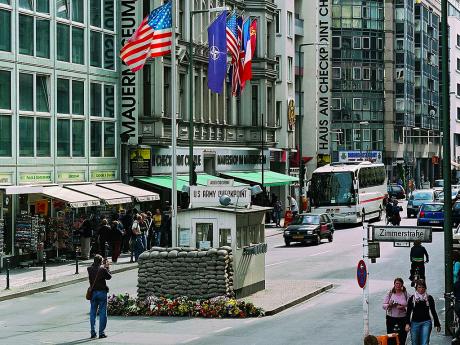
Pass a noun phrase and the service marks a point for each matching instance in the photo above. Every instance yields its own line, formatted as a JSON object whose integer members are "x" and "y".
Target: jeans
{"x": 420, "y": 332}
{"x": 157, "y": 238}
{"x": 138, "y": 246}
{"x": 144, "y": 240}
{"x": 98, "y": 300}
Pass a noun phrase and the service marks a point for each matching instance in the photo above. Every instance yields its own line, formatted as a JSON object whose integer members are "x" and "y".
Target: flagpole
{"x": 173, "y": 128}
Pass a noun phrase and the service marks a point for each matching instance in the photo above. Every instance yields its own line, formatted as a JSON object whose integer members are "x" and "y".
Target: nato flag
{"x": 217, "y": 67}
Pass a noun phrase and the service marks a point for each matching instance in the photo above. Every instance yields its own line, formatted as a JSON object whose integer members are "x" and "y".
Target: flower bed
{"x": 219, "y": 307}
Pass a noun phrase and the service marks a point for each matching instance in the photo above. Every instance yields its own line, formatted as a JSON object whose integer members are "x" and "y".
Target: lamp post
{"x": 361, "y": 123}
{"x": 191, "y": 128}
{"x": 414, "y": 169}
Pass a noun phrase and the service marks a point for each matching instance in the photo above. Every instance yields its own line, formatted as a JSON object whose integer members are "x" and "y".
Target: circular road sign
{"x": 361, "y": 274}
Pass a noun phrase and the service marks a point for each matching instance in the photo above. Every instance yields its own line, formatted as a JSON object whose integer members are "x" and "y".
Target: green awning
{"x": 271, "y": 178}
{"x": 165, "y": 181}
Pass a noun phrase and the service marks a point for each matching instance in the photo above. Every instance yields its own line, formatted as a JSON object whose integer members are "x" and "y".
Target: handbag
{"x": 89, "y": 291}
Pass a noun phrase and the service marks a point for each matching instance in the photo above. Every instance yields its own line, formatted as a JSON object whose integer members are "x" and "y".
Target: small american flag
{"x": 152, "y": 38}
{"x": 232, "y": 44}
{"x": 236, "y": 63}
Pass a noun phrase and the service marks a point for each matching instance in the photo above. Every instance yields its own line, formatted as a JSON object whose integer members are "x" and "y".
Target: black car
{"x": 309, "y": 228}
{"x": 396, "y": 191}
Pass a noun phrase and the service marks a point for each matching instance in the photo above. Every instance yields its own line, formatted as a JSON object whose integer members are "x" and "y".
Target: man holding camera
{"x": 98, "y": 273}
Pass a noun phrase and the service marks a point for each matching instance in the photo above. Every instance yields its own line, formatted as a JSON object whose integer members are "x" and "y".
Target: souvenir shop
{"x": 35, "y": 220}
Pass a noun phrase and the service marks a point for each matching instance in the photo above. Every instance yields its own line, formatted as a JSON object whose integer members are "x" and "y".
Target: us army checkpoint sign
{"x": 401, "y": 233}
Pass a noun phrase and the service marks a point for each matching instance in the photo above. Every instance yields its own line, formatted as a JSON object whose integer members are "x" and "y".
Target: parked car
{"x": 309, "y": 228}
{"x": 396, "y": 191}
{"x": 456, "y": 214}
{"x": 418, "y": 198}
{"x": 456, "y": 235}
{"x": 438, "y": 184}
{"x": 440, "y": 195}
{"x": 431, "y": 214}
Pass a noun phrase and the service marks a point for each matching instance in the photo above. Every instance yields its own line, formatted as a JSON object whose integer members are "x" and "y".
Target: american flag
{"x": 152, "y": 38}
{"x": 232, "y": 44}
{"x": 237, "y": 63}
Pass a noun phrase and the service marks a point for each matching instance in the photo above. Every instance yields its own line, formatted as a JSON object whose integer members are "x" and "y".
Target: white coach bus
{"x": 345, "y": 191}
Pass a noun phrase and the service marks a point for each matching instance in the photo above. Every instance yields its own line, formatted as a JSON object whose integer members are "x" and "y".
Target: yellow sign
{"x": 32, "y": 178}
{"x": 102, "y": 175}
{"x": 71, "y": 176}
{"x": 6, "y": 178}
{"x": 140, "y": 154}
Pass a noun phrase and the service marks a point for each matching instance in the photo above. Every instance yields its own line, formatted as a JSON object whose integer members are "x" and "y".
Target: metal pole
{"x": 448, "y": 271}
{"x": 174, "y": 130}
{"x": 7, "y": 264}
{"x": 76, "y": 260}
{"x": 366, "y": 287}
{"x": 44, "y": 267}
{"x": 360, "y": 142}
{"x": 263, "y": 156}
{"x": 191, "y": 129}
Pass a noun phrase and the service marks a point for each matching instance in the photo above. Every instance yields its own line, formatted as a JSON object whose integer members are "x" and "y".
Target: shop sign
{"x": 103, "y": 175}
{"x": 220, "y": 182}
{"x": 241, "y": 160}
{"x": 6, "y": 178}
{"x": 70, "y": 176}
{"x": 32, "y": 178}
{"x": 323, "y": 71}
{"x": 140, "y": 162}
{"x": 162, "y": 160}
{"x": 358, "y": 156}
{"x": 204, "y": 196}
{"x": 41, "y": 207}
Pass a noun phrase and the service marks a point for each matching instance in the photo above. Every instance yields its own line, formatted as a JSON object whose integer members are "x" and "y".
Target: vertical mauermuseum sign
{"x": 323, "y": 75}
{"x": 130, "y": 19}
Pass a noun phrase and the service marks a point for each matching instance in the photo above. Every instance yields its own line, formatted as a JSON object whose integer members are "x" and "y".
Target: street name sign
{"x": 401, "y": 244}
{"x": 361, "y": 274}
{"x": 401, "y": 233}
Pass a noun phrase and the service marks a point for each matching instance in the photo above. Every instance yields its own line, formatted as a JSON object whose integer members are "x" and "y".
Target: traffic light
{"x": 193, "y": 181}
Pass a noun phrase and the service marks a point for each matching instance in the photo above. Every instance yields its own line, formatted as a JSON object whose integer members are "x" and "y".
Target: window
{"x": 67, "y": 9}
{"x": 96, "y": 49}
{"x": 26, "y": 136}
{"x": 102, "y": 42}
{"x": 336, "y": 103}
{"x": 336, "y": 42}
{"x": 366, "y": 43}
{"x": 356, "y": 42}
{"x": 78, "y": 138}
{"x": 109, "y": 101}
{"x": 336, "y": 72}
{"x": 277, "y": 22}
{"x": 5, "y": 138}
{"x": 204, "y": 235}
{"x": 109, "y": 139}
{"x": 225, "y": 237}
{"x": 78, "y": 97}
{"x": 63, "y": 138}
{"x": 290, "y": 67}
{"x": 356, "y": 73}
{"x": 255, "y": 105}
{"x": 278, "y": 67}
{"x": 96, "y": 99}
{"x": 458, "y": 90}
{"x": 5, "y": 90}
{"x": 27, "y": 46}
{"x": 458, "y": 40}
{"x": 5, "y": 30}
{"x": 458, "y": 114}
{"x": 366, "y": 73}
{"x": 96, "y": 135}
{"x": 357, "y": 104}
{"x": 289, "y": 24}
{"x": 43, "y": 137}
{"x": 102, "y": 110}
{"x": 63, "y": 42}
{"x": 30, "y": 92}
{"x": 458, "y": 64}
{"x": 63, "y": 96}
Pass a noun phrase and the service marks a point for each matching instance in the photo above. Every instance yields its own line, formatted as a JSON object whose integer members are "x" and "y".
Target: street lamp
{"x": 191, "y": 128}
{"x": 361, "y": 123}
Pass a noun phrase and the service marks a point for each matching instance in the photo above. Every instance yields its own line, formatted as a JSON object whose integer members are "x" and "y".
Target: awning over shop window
{"x": 271, "y": 178}
{"x": 165, "y": 181}
{"x": 25, "y": 189}
{"x": 74, "y": 198}
{"x": 139, "y": 194}
{"x": 110, "y": 197}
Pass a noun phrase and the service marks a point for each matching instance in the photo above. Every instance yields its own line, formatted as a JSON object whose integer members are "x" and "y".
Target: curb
{"x": 299, "y": 300}
{"x": 279, "y": 233}
{"x": 57, "y": 285}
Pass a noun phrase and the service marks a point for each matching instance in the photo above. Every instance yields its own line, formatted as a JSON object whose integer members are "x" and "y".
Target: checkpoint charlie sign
{"x": 401, "y": 234}
{"x": 204, "y": 196}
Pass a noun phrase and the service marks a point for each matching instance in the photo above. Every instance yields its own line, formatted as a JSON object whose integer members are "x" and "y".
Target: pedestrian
{"x": 149, "y": 223}
{"x": 104, "y": 237}
{"x": 293, "y": 206}
{"x": 277, "y": 210}
{"x": 417, "y": 259}
{"x": 157, "y": 223}
{"x": 371, "y": 340}
{"x": 86, "y": 233}
{"x": 127, "y": 221}
{"x": 456, "y": 339}
{"x": 456, "y": 264}
{"x": 144, "y": 230}
{"x": 116, "y": 236}
{"x": 395, "y": 304}
{"x": 98, "y": 273}
{"x": 418, "y": 320}
{"x": 389, "y": 211}
{"x": 138, "y": 246}
{"x": 396, "y": 217}
{"x": 166, "y": 233}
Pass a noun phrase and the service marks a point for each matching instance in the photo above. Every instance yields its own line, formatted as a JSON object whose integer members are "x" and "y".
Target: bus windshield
{"x": 332, "y": 189}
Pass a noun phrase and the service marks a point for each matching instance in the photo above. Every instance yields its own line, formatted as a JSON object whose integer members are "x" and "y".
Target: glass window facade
{"x": 96, "y": 142}
{"x": 63, "y": 42}
{"x": 43, "y": 137}
{"x": 26, "y": 39}
{"x": 5, "y": 90}
{"x": 5, "y": 30}
{"x": 5, "y": 138}
{"x": 63, "y": 96}
{"x": 78, "y": 97}
{"x": 26, "y": 136}
{"x": 26, "y": 92}
{"x": 78, "y": 45}
{"x": 63, "y": 138}
{"x": 78, "y": 138}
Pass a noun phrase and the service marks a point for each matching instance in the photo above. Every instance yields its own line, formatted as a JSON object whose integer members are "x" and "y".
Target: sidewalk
{"x": 272, "y": 230}
{"x": 26, "y": 281}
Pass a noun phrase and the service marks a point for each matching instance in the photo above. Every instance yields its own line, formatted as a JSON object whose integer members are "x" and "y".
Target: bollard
{"x": 76, "y": 260}
{"x": 7, "y": 274}
{"x": 44, "y": 267}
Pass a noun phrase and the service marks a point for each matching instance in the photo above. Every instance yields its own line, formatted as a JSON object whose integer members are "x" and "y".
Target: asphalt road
{"x": 335, "y": 317}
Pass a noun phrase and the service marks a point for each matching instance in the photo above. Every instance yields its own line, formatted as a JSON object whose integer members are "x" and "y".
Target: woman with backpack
{"x": 418, "y": 320}
{"x": 395, "y": 304}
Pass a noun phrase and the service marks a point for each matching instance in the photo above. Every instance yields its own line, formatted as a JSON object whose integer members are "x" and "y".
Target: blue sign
{"x": 361, "y": 274}
{"x": 355, "y": 156}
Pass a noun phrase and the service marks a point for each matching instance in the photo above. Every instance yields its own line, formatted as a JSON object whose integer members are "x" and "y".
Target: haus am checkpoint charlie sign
{"x": 401, "y": 233}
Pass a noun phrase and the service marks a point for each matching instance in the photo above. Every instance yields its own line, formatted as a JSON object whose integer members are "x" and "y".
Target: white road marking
{"x": 276, "y": 263}
{"x": 327, "y": 251}
{"x": 222, "y": 329}
{"x": 190, "y": 340}
{"x": 357, "y": 244}
{"x": 46, "y": 310}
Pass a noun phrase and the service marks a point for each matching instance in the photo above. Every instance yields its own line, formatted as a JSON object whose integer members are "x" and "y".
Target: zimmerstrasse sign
{"x": 401, "y": 233}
